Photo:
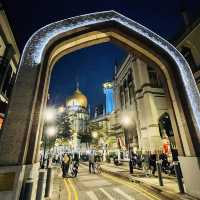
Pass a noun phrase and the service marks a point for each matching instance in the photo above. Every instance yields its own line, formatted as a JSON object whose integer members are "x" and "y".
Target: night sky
{"x": 94, "y": 65}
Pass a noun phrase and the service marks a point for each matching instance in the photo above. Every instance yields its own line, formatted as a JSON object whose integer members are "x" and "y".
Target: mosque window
{"x": 154, "y": 78}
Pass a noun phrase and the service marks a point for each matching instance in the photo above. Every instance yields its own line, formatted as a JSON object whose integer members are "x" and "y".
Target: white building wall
{"x": 149, "y": 104}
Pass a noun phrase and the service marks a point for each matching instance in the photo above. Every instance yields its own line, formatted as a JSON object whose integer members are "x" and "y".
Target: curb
{"x": 158, "y": 189}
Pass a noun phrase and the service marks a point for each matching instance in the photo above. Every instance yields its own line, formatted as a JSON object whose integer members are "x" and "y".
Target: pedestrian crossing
{"x": 107, "y": 195}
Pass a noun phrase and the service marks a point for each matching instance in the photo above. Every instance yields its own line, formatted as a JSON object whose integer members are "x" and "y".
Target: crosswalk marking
{"x": 92, "y": 195}
{"x": 123, "y": 194}
{"x": 106, "y": 194}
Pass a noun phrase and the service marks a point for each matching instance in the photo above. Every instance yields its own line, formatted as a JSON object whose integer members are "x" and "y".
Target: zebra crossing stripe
{"x": 106, "y": 194}
{"x": 92, "y": 195}
{"x": 123, "y": 194}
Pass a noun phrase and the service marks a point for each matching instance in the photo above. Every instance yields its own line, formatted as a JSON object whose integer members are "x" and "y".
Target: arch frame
{"x": 24, "y": 123}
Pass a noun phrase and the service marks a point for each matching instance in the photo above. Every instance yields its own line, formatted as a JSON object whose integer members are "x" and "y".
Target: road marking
{"x": 132, "y": 186}
{"x": 123, "y": 194}
{"x": 73, "y": 189}
{"x": 106, "y": 194}
{"x": 92, "y": 195}
{"x": 69, "y": 194}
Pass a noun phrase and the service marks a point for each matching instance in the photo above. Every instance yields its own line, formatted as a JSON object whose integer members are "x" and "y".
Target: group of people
{"x": 147, "y": 162}
{"x": 69, "y": 162}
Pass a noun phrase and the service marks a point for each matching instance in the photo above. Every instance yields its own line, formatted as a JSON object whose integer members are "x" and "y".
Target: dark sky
{"x": 94, "y": 65}
{"x": 89, "y": 72}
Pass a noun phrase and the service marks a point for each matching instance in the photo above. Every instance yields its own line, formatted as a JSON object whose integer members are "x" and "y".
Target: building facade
{"x": 140, "y": 102}
{"x": 108, "y": 91}
{"x": 76, "y": 108}
{"x": 189, "y": 45}
{"x": 9, "y": 59}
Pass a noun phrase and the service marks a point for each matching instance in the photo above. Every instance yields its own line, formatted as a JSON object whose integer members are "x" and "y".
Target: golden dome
{"x": 77, "y": 99}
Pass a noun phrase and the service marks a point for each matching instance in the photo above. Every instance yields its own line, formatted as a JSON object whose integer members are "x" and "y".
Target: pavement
{"x": 170, "y": 189}
{"x": 99, "y": 187}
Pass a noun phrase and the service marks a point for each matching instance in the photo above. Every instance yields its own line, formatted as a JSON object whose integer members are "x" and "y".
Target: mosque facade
{"x": 77, "y": 111}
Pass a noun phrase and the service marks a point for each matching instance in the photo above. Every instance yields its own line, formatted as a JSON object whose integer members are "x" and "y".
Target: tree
{"x": 64, "y": 126}
{"x": 85, "y": 137}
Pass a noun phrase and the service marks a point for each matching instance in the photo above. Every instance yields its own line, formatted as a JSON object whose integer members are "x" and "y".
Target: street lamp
{"x": 94, "y": 134}
{"x": 61, "y": 109}
{"x": 126, "y": 123}
{"x": 50, "y": 132}
{"x": 50, "y": 114}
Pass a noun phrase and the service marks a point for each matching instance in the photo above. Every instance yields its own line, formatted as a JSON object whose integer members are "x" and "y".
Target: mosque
{"x": 77, "y": 110}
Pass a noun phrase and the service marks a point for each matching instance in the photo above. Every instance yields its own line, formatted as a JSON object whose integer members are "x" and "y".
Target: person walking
{"x": 152, "y": 163}
{"x": 65, "y": 165}
{"x": 91, "y": 162}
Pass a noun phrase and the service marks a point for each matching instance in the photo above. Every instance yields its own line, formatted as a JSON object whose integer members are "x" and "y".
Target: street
{"x": 103, "y": 187}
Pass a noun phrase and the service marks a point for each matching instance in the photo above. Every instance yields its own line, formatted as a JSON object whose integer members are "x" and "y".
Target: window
{"x": 187, "y": 53}
{"x": 7, "y": 81}
{"x": 2, "y": 69}
{"x": 131, "y": 92}
{"x": 121, "y": 97}
{"x": 130, "y": 86}
{"x": 154, "y": 79}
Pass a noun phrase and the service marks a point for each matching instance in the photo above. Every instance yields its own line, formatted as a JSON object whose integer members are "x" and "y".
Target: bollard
{"x": 41, "y": 185}
{"x": 27, "y": 191}
{"x": 160, "y": 178}
{"x": 48, "y": 182}
{"x": 179, "y": 176}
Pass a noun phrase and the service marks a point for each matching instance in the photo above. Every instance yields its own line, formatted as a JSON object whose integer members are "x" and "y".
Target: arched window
{"x": 130, "y": 86}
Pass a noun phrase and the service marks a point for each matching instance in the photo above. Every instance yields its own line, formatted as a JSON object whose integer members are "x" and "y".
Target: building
{"x": 99, "y": 110}
{"x": 76, "y": 108}
{"x": 9, "y": 59}
{"x": 108, "y": 91}
{"x": 140, "y": 102}
{"x": 189, "y": 45}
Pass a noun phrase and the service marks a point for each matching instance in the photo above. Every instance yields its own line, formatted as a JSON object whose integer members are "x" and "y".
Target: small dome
{"x": 77, "y": 99}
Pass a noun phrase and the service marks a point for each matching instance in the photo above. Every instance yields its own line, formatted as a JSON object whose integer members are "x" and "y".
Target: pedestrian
{"x": 65, "y": 165}
{"x": 152, "y": 163}
{"x": 92, "y": 162}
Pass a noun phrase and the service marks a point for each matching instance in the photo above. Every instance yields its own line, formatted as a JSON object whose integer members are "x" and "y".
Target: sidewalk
{"x": 59, "y": 191}
{"x": 169, "y": 190}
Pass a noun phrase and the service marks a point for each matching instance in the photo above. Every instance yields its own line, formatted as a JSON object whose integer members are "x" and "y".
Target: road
{"x": 105, "y": 187}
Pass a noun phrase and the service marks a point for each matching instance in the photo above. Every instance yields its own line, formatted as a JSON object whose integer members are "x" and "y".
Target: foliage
{"x": 85, "y": 137}
{"x": 64, "y": 126}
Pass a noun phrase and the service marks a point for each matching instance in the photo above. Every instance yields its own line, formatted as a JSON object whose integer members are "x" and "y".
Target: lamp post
{"x": 126, "y": 122}
{"x": 49, "y": 117}
{"x": 50, "y": 132}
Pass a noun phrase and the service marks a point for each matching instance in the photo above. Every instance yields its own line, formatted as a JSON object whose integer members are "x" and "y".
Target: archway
{"x": 19, "y": 142}
{"x": 166, "y": 132}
